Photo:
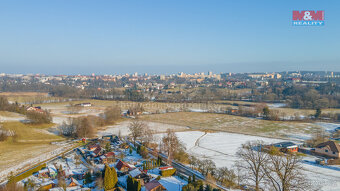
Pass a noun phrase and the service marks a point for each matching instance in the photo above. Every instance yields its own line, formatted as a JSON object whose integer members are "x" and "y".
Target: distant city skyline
{"x": 165, "y": 37}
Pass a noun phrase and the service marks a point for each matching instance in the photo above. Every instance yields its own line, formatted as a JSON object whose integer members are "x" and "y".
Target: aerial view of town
{"x": 146, "y": 95}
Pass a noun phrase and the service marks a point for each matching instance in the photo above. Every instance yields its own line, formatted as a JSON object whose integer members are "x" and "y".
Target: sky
{"x": 165, "y": 36}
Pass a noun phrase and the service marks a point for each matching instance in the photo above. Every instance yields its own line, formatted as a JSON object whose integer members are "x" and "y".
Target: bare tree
{"x": 147, "y": 135}
{"x": 84, "y": 128}
{"x": 112, "y": 114}
{"x": 252, "y": 161}
{"x": 136, "y": 129}
{"x": 170, "y": 142}
{"x": 74, "y": 108}
{"x": 68, "y": 128}
{"x": 100, "y": 182}
{"x": 284, "y": 173}
{"x": 226, "y": 177}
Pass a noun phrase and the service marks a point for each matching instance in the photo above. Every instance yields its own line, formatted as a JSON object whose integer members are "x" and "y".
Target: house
{"x": 92, "y": 147}
{"x": 140, "y": 176}
{"x": 35, "y": 109}
{"x": 108, "y": 137}
{"x": 97, "y": 151}
{"x": 52, "y": 171}
{"x": 328, "y": 149}
{"x": 83, "y": 105}
{"x": 72, "y": 182}
{"x": 165, "y": 168}
{"x": 123, "y": 166}
{"x": 47, "y": 185}
{"x": 109, "y": 157}
{"x": 287, "y": 146}
{"x": 134, "y": 173}
{"x": 154, "y": 185}
{"x": 43, "y": 173}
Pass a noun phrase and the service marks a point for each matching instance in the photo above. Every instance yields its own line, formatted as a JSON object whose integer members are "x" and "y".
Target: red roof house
{"x": 154, "y": 185}
{"x": 123, "y": 166}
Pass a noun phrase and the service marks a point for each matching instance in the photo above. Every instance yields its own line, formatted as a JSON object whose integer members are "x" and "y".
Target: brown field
{"x": 22, "y": 97}
{"x": 236, "y": 124}
{"x": 31, "y": 141}
{"x": 8, "y": 114}
{"x": 153, "y": 107}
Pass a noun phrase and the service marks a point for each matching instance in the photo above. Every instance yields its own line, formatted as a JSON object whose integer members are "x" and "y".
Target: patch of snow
{"x": 172, "y": 183}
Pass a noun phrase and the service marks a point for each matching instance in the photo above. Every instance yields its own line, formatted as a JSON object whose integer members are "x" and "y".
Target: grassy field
{"x": 8, "y": 114}
{"x": 22, "y": 97}
{"x": 153, "y": 107}
{"x": 287, "y": 111}
{"x": 31, "y": 140}
{"x": 236, "y": 124}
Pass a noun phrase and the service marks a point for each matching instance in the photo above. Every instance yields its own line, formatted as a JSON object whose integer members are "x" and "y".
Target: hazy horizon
{"x": 164, "y": 37}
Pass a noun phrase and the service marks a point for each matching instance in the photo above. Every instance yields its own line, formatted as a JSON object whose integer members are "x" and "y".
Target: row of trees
{"x": 78, "y": 127}
{"x": 197, "y": 185}
{"x": 39, "y": 117}
{"x": 11, "y": 107}
{"x": 271, "y": 170}
{"x": 34, "y": 117}
{"x": 259, "y": 167}
{"x": 170, "y": 143}
{"x": 85, "y": 126}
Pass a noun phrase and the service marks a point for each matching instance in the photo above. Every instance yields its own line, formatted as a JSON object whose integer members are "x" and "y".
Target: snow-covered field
{"x": 329, "y": 127}
{"x": 221, "y": 148}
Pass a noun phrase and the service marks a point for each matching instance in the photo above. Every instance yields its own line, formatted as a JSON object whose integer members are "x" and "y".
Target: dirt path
{"x": 197, "y": 144}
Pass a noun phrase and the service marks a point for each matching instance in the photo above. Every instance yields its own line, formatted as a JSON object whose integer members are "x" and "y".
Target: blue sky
{"x": 163, "y": 36}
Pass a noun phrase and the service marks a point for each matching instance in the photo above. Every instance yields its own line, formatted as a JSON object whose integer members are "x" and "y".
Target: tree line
{"x": 85, "y": 126}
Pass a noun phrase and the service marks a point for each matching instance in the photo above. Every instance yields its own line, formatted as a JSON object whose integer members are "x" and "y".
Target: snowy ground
{"x": 329, "y": 127}
{"x": 222, "y": 147}
{"x": 70, "y": 166}
{"x": 172, "y": 183}
{"x": 14, "y": 117}
{"x": 276, "y": 105}
{"x": 32, "y": 161}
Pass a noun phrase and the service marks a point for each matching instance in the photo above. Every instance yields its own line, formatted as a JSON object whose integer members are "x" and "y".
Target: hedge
{"x": 169, "y": 172}
{"x": 28, "y": 173}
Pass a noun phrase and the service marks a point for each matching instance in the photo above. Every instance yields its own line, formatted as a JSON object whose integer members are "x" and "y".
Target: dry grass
{"x": 21, "y": 97}
{"x": 14, "y": 153}
{"x": 23, "y": 94}
{"x": 8, "y": 114}
{"x": 148, "y": 106}
{"x": 230, "y": 123}
{"x": 30, "y": 142}
{"x": 28, "y": 132}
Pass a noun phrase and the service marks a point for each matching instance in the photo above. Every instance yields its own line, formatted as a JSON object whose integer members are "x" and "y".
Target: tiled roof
{"x": 335, "y": 147}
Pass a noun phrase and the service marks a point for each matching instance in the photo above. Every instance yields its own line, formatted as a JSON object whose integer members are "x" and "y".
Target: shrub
{"x": 39, "y": 117}
{"x": 27, "y": 173}
{"x": 168, "y": 172}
